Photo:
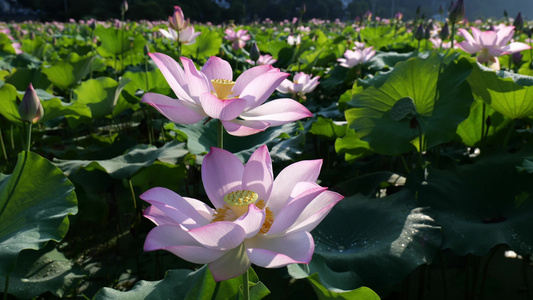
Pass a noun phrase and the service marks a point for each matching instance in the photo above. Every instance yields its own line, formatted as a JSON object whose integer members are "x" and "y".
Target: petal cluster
{"x": 239, "y": 38}
{"x": 211, "y": 92}
{"x": 186, "y": 36}
{"x": 274, "y": 232}
{"x": 490, "y": 44}
{"x": 356, "y": 57}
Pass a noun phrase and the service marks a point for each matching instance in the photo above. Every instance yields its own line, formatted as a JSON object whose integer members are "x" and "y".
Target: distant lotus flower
{"x": 187, "y": 36}
{"x": 263, "y": 60}
{"x": 211, "y": 92}
{"x": 30, "y": 109}
{"x": 438, "y": 43}
{"x": 255, "y": 219}
{"x": 294, "y": 40}
{"x": 490, "y": 44}
{"x": 177, "y": 20}
{"x": 301, "y": 85}
{"x": 359, "y": 45}
{"x": 238, "y": 38}
{"x": 356, "y": 57}
{"x": 398, "y": 16}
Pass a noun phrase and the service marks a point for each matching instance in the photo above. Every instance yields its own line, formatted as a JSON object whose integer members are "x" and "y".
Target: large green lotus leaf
{"x": 45, "y": 270}
{"x": 22, "y": 77}
{"x": 362, "y": 293}
{"x": 207, "y": 44}
{"x": 151, "y": 81}
{"x": 116, "y": 42}
{"x": 187, "y": 285}
{"x": 439, "y": 104}
{"x": 371, "y": 242}
{"x": 66, "y": 74}
{"x": 327, "y": 128}
{"x": 8, "y": 105}
{"x": 481, "y": 205}
{"x": 284, "y": 142}
{"x": 124, "y": 166}
{"x": 54, "y": 108}
{"x": 5, "y": 44}
{"x": 352, "y": 146}
{"x": 35, "y": 201}
{"x": 470, "y": 129}
{"x": 102, "y": 95}
{"x": 508, "y": 93}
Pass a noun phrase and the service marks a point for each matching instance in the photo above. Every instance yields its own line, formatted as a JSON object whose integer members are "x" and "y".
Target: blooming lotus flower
{"x": 255, "y": 219}
{"x": 177, "y": 20}
{"x": 187, "y": 36}
{"x": 490, "y": 44}
{"x": 356, "y": 57}
{"x": 211, "y": 92}
{"x": 294, "y": 40}
{"x": 263, "y": 60}
{"x": 238, "y": 38}
{"x": 302, "y": 84}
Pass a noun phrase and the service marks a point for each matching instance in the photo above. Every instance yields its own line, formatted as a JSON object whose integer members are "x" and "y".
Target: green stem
{"x": 420, "y": 144}
{"x": 3, "y": 146}
{"x": 132, "y": 194}
{"x": 215, "y": 292}
{"x": 28, "y": 144}
{"x": 407, "y": 170}
{"x": 245, "y": 286}
{"x": 6, "y": 287}
{"x": 220, "y": 135}
{"x": 452, "y": 35}
{"x": 483, "y": 122}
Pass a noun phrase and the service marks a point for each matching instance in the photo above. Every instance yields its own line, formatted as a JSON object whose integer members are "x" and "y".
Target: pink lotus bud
{"x": 457, "y": 12}
{"x": 31, "y": 109}
{"x": 124, "y": 6}
{"x": 177, "y": 20}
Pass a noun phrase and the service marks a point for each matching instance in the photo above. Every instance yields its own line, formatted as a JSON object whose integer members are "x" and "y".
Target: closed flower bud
{"x": 31, "y": 109}
{"x": 254, "y": 52}
{"x": 444, "y": 32}
{"x": 457, "y": 12}
{"x": 124, "y": 6}
{"x": 518, "y": 22}
{"x": 146, "y": 49}
{"x": 427, "y": 31}
{"x": 419, "y": 34}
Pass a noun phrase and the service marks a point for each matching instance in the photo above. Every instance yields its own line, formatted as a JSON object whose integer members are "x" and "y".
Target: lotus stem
{"x": 245, "y": 285}
{"x": 132, "y": 194}
{"x": 215, "y": 292}
{"x": 28, "y": 140}
{"x": 220, "y": 135}
{"x": 3, "y": 146}
{"x": 452, "y": 35}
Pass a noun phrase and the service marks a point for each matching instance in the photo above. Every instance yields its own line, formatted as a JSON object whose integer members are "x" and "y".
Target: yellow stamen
{"x": 223, "y": 88}
{"x": 269, "y": 218}
{"x": 238, "y": 201}
{"x": 220, "y": 214}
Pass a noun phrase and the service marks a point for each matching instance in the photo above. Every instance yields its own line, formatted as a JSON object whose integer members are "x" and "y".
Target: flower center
{"x": 222, "y": 87}
{"x": 238, "y": 201}
{"x": 237, "y": 205}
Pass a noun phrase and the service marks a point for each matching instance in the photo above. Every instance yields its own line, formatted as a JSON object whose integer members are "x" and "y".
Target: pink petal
{"x": 285, "y": 87}
{"x": 189, "y": 212}
{"x": 258, "y": 175}
{"x": 466, "y": 35}
{"x": 176, "y": 110}
{"x": 515, "y": 47}
{"x": 232, "y": 264}
{"x": 259, "y": 89}
{"x": 244, "y": 128}
{"x": 252, "y": 221}
{"x": 290, "y": 212}
{"x": 197, "y": 82}
{"x": 315, "y": 212}
{"x": 504, "y": 35}
{"x": 306, "y": 170}
{"x": 221, "y": 174}
{"x": 158, "y": 217}
{"x": 217, "y": 68}
{"x": 173, "y": 74}
{"x": 488, "y": 39}
{"x": 278, "y": 251}
{"x": 221, "y": 235}
{"x": 247, "y": 76}
{"x": 469, "y": 47}
{"x": 179, "y": 242}
{"x": 278, "y": 112}
{"x": 476, "y": 35}
{"x": 228, "y": 109}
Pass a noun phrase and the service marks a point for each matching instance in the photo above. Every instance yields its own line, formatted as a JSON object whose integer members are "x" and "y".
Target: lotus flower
{"x": 211, "y": 92}
{"x": 187, "y": 36}
{"x": 238, "y": 38}
{"x": 356, "y": 57}
{"x": 291, "y": 40}
{"x": 302, "y": 84}
{"x": 490, "y": 44}
{"x": 255, "y": 219}
{"x": 263, "y": 60}
{"x": 177, "y": 20}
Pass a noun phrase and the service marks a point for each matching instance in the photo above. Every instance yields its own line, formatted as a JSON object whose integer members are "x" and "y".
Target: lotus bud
{"x": 254, "y": 52}
{"x": 124, "y": 6}
{"x": 528, "y": 32}
{"x": 177, "y": 20}
{"x": 146, "y": 49}
{"x": 457, "y": 12}
{"x": 444, "y": 32}
{"x": 517, "y": 58}
{"x": 505, "y": 14}
{"x": 398, "y": 16}
{"x": 427, "y": 31}
{"x": 518, "y": 22}
{"x": 419, "y": 34}
{"x": 31, "y": 109}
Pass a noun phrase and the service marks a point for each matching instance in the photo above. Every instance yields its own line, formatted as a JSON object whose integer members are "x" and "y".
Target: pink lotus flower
{"x": 490, "y": 44}
{"x": 238, "y": 38}
{"x": 356, "y": 57}
{"x": 187, "y": 36}
{"x": 211, "y": 92}
{"x": 291, "y": 40}
{"x": 302, "y": 84}
{"x": 263, "y": 60}
{"x": 255, "y": 220}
